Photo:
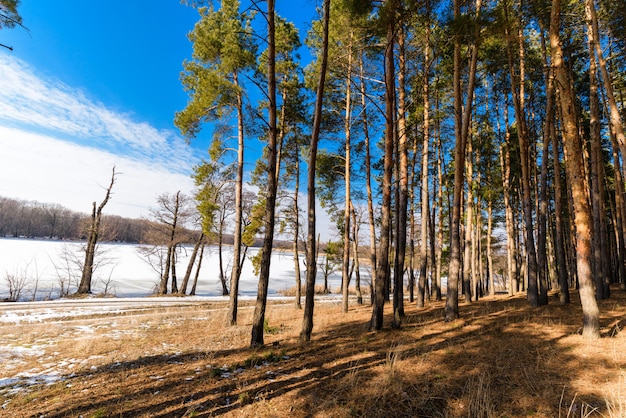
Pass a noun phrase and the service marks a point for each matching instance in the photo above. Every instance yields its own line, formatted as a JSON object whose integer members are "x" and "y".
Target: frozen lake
{"x": 44, "y": 265}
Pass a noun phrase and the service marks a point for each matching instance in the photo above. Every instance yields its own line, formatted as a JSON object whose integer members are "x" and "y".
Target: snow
{"x": 43, "y": 264}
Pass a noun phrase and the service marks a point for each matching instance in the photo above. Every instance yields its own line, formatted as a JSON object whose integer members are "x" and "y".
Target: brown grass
{"x": 501, "y": 359}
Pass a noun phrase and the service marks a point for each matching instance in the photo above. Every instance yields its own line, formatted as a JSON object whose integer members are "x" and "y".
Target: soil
{"x": 502, "y": 358}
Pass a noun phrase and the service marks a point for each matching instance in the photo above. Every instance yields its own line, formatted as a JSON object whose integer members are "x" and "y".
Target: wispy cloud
{"x": 32, "y": 100}
{"x": 41, "y": 168}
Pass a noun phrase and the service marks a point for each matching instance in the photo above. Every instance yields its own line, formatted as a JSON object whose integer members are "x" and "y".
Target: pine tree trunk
{"x": 575, "y": 176}
{"x": 296, "y": 229}
{"x": 383, "y": 266}
{"x": 542, "y": 218}
{"x": 619, "y": 219}
{"x": 272, "y": 186}
{"x": 220, "y": 257}
{"x": 425, "y": 193}
{"x": 235, "y": 272}
{"x": 311, "y": 257}
{"x": 403, "y": 186}
{"x": 345, "y": 280}
{"x": 600, "y": 245}
{"x": 517, "y": 90}
{"x": 368, "y": 179}
{"x": 439, "y": 244}
{"x": 357, "y": 263}
{"x": 469, "y": 220}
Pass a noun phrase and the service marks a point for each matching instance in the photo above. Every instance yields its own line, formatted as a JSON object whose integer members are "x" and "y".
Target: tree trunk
{"x": 270, "y": 205}
{"x": 425, "y": 192}
{"x": 195, "y": 279}
{"x": 368, "y": 177}
{"x": 192, "y": 260}
{"x": 403, "y": 187}
{"x": 220, "y": 256}
{"x": 542, "y": 219}
{"x": 490, "y": 275}
{"x": 469, "y": 220}
{"x": 173, "y": 268}
{"x": 600, "y": 245}
{"x": 235, "y": 272}
{"x": 382, "y": 268}
{"x": 439, "y": 250}
{"x": 357, "y": 264}
{"x": 476, "y": 248}
{"x": 575, "y": 176}
{"x": 517, "y": 90}
{"x": 307, "y": 322}
{"x": 452, "y": 294}
{"x": 462, "y": 122}
{"x": 296, "y": 229}
{"x": 619, "y": 220}
{"x": 345, "y": 280}
{"x": 92, "y": 241}
{"x": 170, "y": 247}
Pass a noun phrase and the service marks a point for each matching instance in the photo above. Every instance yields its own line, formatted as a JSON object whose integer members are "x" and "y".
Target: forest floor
{"x": 502, "y": 358}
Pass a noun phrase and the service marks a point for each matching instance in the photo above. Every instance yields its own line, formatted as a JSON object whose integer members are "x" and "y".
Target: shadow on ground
{"x": 501, "y": 358}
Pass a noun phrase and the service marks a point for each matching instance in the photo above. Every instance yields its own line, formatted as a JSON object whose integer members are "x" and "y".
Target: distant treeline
{"x": 32, "y": 219}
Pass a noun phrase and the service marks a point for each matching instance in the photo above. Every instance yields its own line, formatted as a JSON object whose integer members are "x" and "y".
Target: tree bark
{"x": 307, "y": 322}
{"x": 296, "y": 229}
{"x": 382, "y": 268}
{"x": 235, "y": 272}
{"x": 600, "y": 245}
{"x": 197, "y": 275}
{"x": 170, "y": 247}
{"x": 425, "y": 192}
{"x": 403, "y": 187}
{"x": 575, "y": 176}
{"x": 517, "y": 90}
{"x": 357, "y": 264}
{"x": 619, "y": 219}
{"x": 345, "y": 279}
{"x": 368, "y": 180}
{"x": 270, "y": 205}
{"x": 192, "y": 260}
{"x": 469, "y": 220}
{"x": 94, "y": 230}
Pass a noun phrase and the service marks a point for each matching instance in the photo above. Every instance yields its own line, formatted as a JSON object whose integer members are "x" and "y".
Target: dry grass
{"x": 501, "y": 359}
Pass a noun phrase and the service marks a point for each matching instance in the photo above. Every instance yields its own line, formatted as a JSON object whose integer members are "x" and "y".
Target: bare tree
{"x": 172, "y": 214}
{"x": 16, "y": 283}
{"x": 92, "y": 239}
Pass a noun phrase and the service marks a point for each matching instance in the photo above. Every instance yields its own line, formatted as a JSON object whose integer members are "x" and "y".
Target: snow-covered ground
{"x": 43, "y": 264}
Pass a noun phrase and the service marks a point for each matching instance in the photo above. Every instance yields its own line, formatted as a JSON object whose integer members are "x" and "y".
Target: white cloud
{"x": 33, "y": 101}
{"x": 59, "y": 146}
{"x": 42, "y": 168}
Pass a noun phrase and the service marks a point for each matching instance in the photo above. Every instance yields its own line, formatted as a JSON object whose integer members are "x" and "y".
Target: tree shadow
{"x": 502, "y": 358}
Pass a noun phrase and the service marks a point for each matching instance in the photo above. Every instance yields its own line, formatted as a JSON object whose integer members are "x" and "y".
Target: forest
{"x": 445, "y": 130}
{"x": 441, "y": 124}
{"x": 440, "y": 136}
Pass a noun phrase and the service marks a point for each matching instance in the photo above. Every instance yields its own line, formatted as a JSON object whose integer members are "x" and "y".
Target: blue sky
{"x": 96, "y": 84}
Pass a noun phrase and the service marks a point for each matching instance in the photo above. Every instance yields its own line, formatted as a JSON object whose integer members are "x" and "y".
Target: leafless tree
{"x": 171, "y": 216}
{"x": 92, "y": 240}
